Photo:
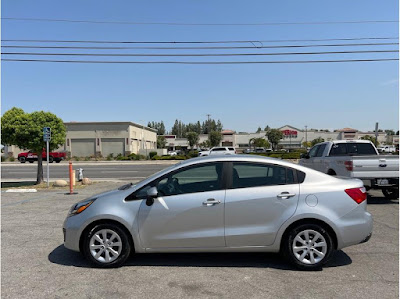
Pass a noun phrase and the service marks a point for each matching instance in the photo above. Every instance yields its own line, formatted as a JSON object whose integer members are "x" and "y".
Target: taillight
{"x": 348, "y": 165}
{"x": 357, "y": 194}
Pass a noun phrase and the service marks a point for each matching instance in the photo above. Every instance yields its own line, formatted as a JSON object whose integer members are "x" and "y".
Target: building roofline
{"x": 110, "y": 123}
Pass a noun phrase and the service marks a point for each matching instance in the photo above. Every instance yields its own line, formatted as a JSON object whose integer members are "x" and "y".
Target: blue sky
{"x": 243, "y": 97}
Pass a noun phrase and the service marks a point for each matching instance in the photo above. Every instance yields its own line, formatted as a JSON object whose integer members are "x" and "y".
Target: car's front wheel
{"x": 308, "y": 246}
{"x": 22, "y": 159}
{"x": 106, "y": 245}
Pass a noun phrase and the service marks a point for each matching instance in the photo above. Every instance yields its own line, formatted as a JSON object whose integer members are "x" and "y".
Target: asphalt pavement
{"x": 35, "y": 263}
{"x": 126, "y": 170}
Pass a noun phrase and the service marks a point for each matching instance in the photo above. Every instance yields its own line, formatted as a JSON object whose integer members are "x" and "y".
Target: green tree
{"x": 258, "y": 130}
{"x": 161, "y": 142}
{"x": 215, "y": 138}
{"x": 389, "y": 132}
{"x": 267, "y": 128}
{"x": 274, "y": 136}
{"x": 307, "y": 144}
{"x": 370, "y": 138}
{"x": 25, "y": 130}
{"x": 193, "y": 138}
{"x": 317, "y": 140}
{"x": 260, "y": 142}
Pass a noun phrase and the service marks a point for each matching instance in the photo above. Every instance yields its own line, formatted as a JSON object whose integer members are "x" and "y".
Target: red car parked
{"x": 30, "y": 157}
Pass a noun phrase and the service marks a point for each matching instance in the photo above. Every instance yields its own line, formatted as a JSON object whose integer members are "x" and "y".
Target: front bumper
{"x": 71, "y": 232}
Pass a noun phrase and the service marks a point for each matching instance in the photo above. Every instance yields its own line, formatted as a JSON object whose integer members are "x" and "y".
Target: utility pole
{"x": 376, "y": 134}
{"x": 209, "y": 124}
{"x": 306, "y": 136}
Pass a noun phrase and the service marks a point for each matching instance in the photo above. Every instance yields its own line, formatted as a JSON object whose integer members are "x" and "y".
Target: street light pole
{"x": 306, "y": 137}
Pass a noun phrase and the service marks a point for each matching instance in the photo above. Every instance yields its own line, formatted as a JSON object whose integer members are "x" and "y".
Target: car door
{"x": 259, "y": 199}
{"x": 188, "y": 212}
{"x": 318, "y": 160}
{"x": 309, "y": 162}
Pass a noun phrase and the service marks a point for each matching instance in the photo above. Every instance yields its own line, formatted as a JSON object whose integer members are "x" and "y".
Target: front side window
{"x": 245, "y": 175}
{"x": 201, "y": 178}
{"x": 320, "y": 150}
{"x": 313, "y": 151}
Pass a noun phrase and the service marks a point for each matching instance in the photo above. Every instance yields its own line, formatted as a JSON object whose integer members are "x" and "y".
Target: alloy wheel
{"x": 105, "y": 246}
{"x": 309, "y": 247}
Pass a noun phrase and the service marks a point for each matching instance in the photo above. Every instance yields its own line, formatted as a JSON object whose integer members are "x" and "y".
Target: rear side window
{"x": 246, "y": 175}
{"x": 219, "y": 149}
{"x": 231, "y": 148}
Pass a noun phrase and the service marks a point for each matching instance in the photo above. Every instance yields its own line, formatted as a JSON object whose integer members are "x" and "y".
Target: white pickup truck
{"x": 356, "y": 159}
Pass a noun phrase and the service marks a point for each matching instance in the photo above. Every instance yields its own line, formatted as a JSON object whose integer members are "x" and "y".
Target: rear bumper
{"x": 354, "y": 228}
{"x": 374, "y": 184}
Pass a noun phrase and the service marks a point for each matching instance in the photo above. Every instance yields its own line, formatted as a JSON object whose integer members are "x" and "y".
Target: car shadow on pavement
{"x": 379, "y": 200}
{"x": 65, "y": 257}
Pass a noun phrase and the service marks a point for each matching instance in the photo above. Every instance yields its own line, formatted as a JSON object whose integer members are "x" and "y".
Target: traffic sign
{"x": 46, "y": 134}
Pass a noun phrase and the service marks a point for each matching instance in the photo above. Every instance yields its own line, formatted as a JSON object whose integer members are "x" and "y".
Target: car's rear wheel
{"x": 22, "y": 159}
{"x": 51, "y": 159}
{"x": 106, "y": 245}
{"x": 308, "y": 246}
{"x": 391, "y": 193}
{"x": 31, "y": 161}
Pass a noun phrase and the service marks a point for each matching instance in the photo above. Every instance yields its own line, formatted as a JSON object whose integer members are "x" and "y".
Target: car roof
{"x": 237, "y": 158}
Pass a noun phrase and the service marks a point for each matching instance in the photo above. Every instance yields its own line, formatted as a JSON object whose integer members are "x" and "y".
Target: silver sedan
{"x": 235, "y": 203}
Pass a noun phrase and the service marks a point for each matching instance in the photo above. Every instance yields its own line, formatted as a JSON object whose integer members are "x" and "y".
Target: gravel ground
{"x": 35, "y": 263}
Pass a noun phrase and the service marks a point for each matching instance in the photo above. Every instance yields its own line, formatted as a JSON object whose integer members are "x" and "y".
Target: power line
{"x": 197, "y": 42}
{"x": 197, "y": 55}
{"x": 202, "y": 62}
{"x": 198, "y": 48}
{"x": 201, "y": 24}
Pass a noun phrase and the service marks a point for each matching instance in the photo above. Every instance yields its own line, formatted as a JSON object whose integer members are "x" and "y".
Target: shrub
{"x": 3, "y": 158}
{"x": 12, "y": 159}
{"x": 169, "y": 158}
{"x": 87, "y": 158}
{"x": 110, "y": 157}
{"x": 152, "y": 154}
{"x": 76, "y": 158}
{"x": 192, "y": 154}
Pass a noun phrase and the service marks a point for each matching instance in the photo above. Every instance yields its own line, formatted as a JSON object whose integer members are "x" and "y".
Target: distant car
{"x": 248, "y": 151}
{"x": 233, "y": 203}
{"x": 218, "y": 151}
{"x": 31, "y": 157}
{"x": 172, "y": 153}
{"x": 387, "y": 149}
{"x": 261, "y": 150}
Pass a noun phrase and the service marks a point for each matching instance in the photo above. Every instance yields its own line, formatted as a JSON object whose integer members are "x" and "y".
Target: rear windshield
{"x": 352, "y": 149}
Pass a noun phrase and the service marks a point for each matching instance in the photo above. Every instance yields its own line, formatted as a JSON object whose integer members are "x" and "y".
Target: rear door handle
{"x": 285, "y": 195}
{"x": 210, "y": 202}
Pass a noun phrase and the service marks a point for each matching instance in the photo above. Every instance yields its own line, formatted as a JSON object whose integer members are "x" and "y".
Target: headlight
{"x": 80, "y": 207}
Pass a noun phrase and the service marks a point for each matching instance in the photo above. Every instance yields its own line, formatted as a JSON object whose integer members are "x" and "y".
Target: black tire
{"x": 22, "y": 159}
{"x": 51, "y": 159}
{"x": 125, "y": 248}
{"x": 58, "y": 161}
{"x": 392, "y": 193}
{"x": 331, "y": 172}
{"x": 30, "y": 161}
{"x": 289, "y": 254}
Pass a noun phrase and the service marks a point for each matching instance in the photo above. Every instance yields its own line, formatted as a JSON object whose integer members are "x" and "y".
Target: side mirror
{"x": 151, "y": 194}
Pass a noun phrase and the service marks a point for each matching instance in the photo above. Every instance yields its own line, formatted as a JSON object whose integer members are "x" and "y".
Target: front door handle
{"x": 285, "y": 195}
{"x": 210, "y": 202}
